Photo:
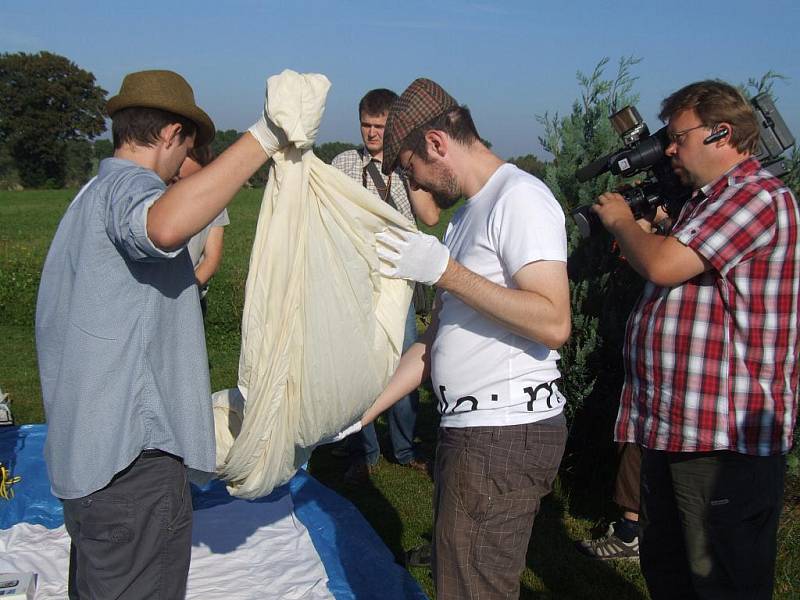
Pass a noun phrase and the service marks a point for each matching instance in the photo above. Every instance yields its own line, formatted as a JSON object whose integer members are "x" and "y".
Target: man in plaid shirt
{"x": 364, "y": 165}
{"x": 710, "y": 352}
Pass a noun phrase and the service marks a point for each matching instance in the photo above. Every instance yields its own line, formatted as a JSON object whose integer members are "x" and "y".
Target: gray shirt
{"x": 197, "y": 243}
{"x": 119, "y": 337}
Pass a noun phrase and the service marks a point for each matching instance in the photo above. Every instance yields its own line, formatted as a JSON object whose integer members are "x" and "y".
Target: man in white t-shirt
{"x": 501, "y": 312}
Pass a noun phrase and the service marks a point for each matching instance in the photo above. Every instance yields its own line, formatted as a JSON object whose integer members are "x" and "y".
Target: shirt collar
{"x": 746, "y": 167}
{"x": 366, "y": 157}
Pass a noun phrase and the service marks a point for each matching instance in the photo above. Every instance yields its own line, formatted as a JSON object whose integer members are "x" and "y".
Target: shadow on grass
{"x": 369, "y": 500}
{"x": 563, "y": 571}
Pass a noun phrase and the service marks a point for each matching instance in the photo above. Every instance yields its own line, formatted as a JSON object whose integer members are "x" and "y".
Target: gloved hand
{"x": 411, "y": 255}
{"x": 271, "y": 137}
{"x": 354, "y": 428}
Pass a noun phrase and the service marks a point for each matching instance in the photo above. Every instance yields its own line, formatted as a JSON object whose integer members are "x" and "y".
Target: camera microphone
{"x": 716, "y": 136}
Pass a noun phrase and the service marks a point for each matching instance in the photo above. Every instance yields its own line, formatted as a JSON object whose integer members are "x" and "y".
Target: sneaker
{"x": 419, "y": 556}
{"x": 609, "y": 546}
{"x": 420, "y": 464}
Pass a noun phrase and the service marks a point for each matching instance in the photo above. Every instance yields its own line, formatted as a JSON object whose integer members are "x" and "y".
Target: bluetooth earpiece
{"x": 716, "y": 136}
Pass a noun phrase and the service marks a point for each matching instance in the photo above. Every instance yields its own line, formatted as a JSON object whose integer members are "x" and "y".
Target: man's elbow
{"x": 559, "y": 334}
{"x": 663, "y": 275}
{"x": 555, "y": 335}
{"x": 430, "y": 217}
{"x": 165, "y": 238}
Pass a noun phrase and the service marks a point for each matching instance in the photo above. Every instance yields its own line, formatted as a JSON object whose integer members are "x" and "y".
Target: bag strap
{"x": 383, "y": 190}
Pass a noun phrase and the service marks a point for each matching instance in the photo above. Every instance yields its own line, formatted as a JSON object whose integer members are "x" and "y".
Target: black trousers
{"x": 133, "y": 538}
{"x": 708, "y": 524}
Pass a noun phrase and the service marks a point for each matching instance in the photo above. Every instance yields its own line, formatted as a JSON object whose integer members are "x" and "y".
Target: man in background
{"x": 364, "y": 165}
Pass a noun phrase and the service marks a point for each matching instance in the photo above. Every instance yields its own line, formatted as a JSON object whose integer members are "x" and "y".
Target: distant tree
{"x": 9, "y": 178}
{"x": 328, "y": 151}
{"x": 78, "y": 155}
{"x": 223, "y": 139}
{"x": 45, "y": 101}
{"x": 103, "y": 149}
{"x": 530, "y": 164}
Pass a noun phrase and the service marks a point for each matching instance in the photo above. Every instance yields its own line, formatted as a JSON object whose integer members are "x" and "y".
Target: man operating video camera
{"x": 710, "y": 351}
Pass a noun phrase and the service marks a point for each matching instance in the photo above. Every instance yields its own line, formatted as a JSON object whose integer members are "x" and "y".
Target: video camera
{"x": 644, "y": 153}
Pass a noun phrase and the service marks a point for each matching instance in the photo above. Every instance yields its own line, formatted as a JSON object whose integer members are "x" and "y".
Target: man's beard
{"x": 446, "y": 192}
{"x": 684, "y": 176}
{"x": 444, "y": 201}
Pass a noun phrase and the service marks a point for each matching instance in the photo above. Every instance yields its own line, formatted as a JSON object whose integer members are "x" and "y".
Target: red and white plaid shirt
{"x": 712, "y": 364}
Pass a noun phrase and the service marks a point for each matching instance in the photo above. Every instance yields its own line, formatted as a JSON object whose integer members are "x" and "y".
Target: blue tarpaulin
{"x": 357, "y": 563}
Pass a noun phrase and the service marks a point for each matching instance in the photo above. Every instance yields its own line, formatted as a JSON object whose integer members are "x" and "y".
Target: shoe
{"x": 423, "y": 465}
{"x": 609, "y": 547}
{"x": 359, "y": 473}
{"x": 419, "y": 556}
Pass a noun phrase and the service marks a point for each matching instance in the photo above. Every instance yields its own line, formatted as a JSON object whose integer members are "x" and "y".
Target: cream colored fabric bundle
{"x": 322, "y": 331}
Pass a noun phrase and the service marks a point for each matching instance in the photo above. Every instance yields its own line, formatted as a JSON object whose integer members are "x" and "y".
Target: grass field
{"x": 397, "y": 502}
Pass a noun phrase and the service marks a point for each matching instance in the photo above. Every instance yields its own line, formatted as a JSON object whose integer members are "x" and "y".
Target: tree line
{"x": 52, "y": 114}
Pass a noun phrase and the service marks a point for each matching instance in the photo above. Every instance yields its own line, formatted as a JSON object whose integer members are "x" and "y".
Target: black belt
{"x": 155, "y": 452}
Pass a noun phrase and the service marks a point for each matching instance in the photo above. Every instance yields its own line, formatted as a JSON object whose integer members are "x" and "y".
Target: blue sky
{"x": 507, "y": 61}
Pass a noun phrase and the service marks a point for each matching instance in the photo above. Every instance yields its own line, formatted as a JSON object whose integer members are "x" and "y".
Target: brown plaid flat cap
{"x": 423, "y": 101}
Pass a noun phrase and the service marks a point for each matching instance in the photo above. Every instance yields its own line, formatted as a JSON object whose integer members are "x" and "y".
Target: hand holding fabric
{"x": 412, "y": 255}
{"x": 270, "y": 136}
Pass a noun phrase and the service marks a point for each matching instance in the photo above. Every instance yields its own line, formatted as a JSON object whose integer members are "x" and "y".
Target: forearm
{"x": 204, "y": 271}
{"x": 192, "y": 203}
{"x": 412, "y": 370}
{"x": 212, "y": 256}
{"x": 527, "y": 313}
{"x": 660, "y": 259}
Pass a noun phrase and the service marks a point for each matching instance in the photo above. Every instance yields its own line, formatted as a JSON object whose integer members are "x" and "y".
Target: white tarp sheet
{"x": 240, "y": 551}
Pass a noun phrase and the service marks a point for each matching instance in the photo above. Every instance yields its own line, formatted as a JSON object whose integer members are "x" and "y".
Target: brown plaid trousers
{"x": 489, "y": 482}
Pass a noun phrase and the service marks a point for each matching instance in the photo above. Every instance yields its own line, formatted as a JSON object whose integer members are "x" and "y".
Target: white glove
{"x": 411, "y": 255}
{"x": 354, "y": 428}
{"x": 270, "y": 136}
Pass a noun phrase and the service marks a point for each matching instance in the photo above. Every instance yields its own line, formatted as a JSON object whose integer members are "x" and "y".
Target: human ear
{"x": 437, "y": 141}
{"x": 171, "y": 134}
{"x": 721, "y": 131}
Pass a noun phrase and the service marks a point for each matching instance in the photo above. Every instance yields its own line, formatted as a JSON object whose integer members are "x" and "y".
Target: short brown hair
{"x": 717, "y": 102}
{"x": 457, "y": 123}
{"x": 376, "y": 102}
{"x": 142, "y": 126}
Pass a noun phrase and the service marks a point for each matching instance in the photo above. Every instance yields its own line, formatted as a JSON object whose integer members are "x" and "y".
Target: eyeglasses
{"x": 679, "y": 136}
{"x": 407, "y": 171}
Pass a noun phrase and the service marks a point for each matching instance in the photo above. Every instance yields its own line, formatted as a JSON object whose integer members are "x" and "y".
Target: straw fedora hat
{"x": 165, "y": 90}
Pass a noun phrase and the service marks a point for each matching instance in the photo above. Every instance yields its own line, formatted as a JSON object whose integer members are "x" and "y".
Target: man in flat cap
{"x": 120, "y": 342}
{"x": 501, "y": 312}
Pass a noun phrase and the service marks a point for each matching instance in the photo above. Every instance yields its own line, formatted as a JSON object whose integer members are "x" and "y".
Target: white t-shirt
{"x": 483, "y": 374}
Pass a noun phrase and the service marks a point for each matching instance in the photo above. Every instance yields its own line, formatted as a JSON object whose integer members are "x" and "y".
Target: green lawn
{"x": 397, "y": 502}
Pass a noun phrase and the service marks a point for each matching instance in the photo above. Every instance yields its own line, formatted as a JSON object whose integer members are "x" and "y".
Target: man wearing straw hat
{"x": 490, "y": 350}
{"x": 121, "y": 346}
